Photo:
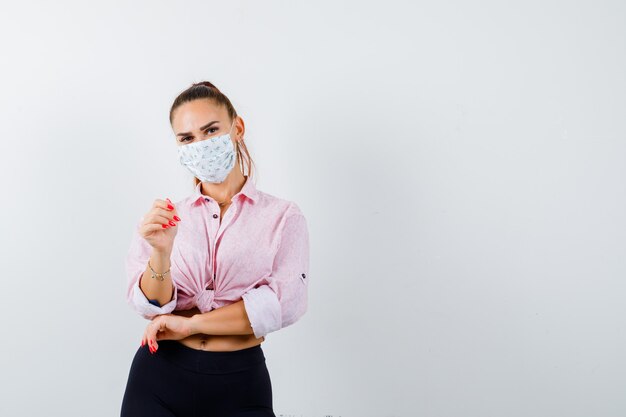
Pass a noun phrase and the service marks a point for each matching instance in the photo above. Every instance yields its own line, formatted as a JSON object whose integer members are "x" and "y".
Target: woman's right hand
{"x": 159, "y": 225}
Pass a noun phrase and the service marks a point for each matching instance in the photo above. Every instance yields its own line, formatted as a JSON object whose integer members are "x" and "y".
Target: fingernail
{"x": 165, "y": 226}
{"x": 172, "y": 223}
{"x": 177, "y": 218}
{"x": 169, "y": 206}
{"x": 168, "y": 200}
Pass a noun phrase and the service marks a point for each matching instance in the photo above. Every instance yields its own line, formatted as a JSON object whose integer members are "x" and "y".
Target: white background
{"x": 460, "y": 165}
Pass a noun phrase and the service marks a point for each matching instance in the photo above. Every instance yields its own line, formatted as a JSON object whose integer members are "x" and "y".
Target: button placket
{"x": 205, "y": 297}
{"x": 230, "y": 213}
{"x": 208, "y": 200}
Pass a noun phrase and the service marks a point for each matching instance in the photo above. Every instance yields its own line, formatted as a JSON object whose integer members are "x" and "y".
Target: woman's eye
{"x": 208, "y": 132}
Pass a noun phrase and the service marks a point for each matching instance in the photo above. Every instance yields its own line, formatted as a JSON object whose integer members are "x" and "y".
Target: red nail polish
{"x": 177, "y": 218}
{"x": 169, "y": 206}
{"x": 164, "y": 226}
{"x": 172, "y": 223}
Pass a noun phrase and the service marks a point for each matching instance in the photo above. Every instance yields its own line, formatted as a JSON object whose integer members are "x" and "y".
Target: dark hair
{"x": 206, "y": 90}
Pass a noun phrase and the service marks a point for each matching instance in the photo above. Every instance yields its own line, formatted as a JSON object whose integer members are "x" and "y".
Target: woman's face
{"x": 202, "y": 119}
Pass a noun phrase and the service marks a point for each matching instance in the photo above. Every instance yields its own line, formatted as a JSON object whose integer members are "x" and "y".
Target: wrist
{"x": 161, "y": 254}
{"x": 193, "y": 324}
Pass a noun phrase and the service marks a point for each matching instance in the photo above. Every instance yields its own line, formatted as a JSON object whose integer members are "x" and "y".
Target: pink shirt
{"x": 258, "y": 252}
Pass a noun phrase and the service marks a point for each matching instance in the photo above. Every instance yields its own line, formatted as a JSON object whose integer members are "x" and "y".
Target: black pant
{"x": 183, "y": 382}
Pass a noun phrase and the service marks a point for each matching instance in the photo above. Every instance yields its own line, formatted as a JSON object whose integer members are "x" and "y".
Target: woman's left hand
{"x": 166, "y": 327}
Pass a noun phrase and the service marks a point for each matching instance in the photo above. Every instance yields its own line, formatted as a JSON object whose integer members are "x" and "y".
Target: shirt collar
{"x": 249, "y": 190}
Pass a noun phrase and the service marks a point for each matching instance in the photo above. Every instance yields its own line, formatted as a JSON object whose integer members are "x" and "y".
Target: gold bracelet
{"x": 156, "y": 274}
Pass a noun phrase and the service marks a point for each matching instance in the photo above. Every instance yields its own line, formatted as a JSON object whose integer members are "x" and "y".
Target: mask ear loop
{"x": 231, "y": 127}
{"x": 237, "y": 142}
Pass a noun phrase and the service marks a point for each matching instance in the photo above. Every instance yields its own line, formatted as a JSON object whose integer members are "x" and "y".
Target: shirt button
{"x": 215, "y": 216}
{"x": 206, "y": 199}
{"x": 303, "y": 276}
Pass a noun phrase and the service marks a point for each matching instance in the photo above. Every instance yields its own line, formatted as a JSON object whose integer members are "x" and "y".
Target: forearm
{"x": 155, "y": 289}
{"x": 228, "y": 320}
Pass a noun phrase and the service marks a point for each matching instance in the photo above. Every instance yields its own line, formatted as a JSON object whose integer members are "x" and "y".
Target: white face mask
{"x": 211, "y": 160}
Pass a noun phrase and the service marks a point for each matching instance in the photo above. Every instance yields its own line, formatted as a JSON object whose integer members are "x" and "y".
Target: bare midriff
{"x": 213, "y": 342}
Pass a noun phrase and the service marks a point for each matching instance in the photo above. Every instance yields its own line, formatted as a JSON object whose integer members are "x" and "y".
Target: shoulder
{"x": 281, "y": 205}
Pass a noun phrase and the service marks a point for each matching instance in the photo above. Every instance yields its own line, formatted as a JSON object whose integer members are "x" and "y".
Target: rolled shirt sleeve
{"x": 283, "y": 299}
{"x": 136, "y": 263}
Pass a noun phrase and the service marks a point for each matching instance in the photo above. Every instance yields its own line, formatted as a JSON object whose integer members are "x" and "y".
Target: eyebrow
{"x": 202, "y": 128}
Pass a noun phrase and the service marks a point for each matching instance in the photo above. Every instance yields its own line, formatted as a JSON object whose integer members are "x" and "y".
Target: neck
{"x": 224, "y": 191}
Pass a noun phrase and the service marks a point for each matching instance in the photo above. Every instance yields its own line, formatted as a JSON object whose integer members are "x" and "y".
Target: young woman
{"x": 215, "y": 273}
